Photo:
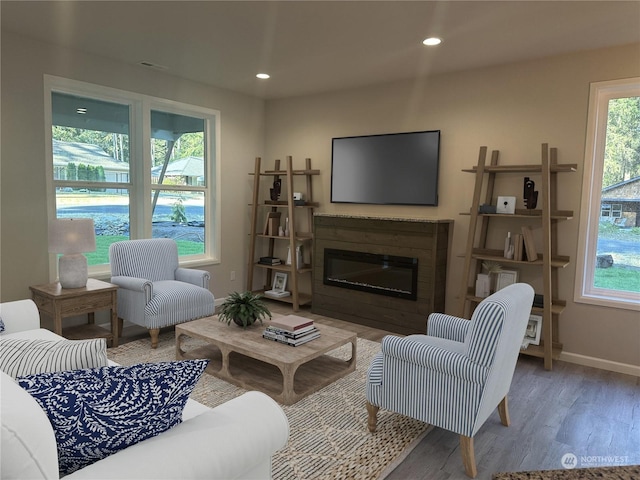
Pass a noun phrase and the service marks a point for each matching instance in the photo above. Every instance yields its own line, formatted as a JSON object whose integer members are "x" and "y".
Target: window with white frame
{"x": 608, "y": 232}
{"x": 139, "y": 166}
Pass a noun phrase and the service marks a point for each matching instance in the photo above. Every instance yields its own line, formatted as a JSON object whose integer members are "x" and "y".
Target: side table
{"x": 59, "y": 303}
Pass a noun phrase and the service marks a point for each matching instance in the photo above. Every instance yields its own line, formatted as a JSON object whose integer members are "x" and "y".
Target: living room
{"x": 514, "y": 107}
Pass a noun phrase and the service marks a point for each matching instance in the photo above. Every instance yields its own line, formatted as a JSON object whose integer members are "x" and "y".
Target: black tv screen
{"x": 390, "y": 169}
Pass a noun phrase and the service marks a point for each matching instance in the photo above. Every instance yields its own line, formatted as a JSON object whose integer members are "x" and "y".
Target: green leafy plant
{"x": 244, "y": 309}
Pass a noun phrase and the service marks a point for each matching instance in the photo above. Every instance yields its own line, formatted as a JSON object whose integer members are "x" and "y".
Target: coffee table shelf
{"x": 287, "y": 374}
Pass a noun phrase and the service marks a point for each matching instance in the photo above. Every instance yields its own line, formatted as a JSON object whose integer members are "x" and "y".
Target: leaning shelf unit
{"x": 548, "y": 261}
{"x": 302, "y": 235}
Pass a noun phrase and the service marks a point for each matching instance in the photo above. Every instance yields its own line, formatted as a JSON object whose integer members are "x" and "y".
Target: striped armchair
{"x": 154, "y": 291}
{"x": 457, "y": 374}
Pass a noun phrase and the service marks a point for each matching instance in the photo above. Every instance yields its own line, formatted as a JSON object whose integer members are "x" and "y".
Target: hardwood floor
{"x": 591, "y": 413}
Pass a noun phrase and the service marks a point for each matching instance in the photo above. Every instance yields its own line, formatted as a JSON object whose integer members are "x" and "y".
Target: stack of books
{"x": 291, "y": 330}
{"x": 270, "y": 261}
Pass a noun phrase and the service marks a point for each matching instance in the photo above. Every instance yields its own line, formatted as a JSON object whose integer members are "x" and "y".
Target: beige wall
{"x": 24, "y": 259}
{"x": 512, "y": 108}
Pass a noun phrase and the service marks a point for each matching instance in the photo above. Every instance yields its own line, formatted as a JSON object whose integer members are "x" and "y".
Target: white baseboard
{"x": 601, "y": 363}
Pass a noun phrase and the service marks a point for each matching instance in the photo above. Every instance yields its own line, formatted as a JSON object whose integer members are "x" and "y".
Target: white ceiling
{"x": 316, "y": 46}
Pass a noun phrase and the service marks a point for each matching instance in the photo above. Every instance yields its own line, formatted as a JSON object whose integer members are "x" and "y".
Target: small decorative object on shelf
{"x": 506, "y": 205}
{"x": 243, "y": 309}
{"x": 530, "y": 195}
{"x": 492, "y": 269}
{"x": 274, "y": 193}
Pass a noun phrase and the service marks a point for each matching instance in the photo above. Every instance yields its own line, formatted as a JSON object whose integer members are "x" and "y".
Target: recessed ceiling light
{"x": 432, "y": 41}
{"x": 263, "y": 76}
{"x": 81, "y": 110}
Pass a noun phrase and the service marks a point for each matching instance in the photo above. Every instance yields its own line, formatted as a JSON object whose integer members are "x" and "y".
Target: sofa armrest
{"x": 212, "y": 445}
{"x": 434, "y": 357}
{"x": 447, "y": 326}
{"x": 135, "y": 284}
{"x": 20, "y": 316}
{"x": 196, "y": 277}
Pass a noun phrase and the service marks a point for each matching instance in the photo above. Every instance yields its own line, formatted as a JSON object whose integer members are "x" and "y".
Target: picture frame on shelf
{"x": 279, "y": 282}
{"x": 506, "y": 278}
{"x": 534, "y": 328}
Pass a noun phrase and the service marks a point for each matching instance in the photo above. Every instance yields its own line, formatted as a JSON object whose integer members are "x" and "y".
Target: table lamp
{"x": 72, "y": 237}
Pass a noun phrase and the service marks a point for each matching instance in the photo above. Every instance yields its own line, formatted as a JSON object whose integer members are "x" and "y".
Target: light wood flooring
{"x": 591, "y": 413}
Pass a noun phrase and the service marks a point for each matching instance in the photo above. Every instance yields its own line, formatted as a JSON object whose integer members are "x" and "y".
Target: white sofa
{"x": 234, "y": 440}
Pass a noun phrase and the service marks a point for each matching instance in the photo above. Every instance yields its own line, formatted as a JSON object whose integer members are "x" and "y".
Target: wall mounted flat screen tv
{"x": 390, "y": 169}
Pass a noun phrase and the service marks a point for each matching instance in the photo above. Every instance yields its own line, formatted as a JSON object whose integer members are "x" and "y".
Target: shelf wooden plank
{"x": 538, "y": 350}
{"x": 557, "y": 306}
{"x": 557, "y": 168}
{"x": 303, "y": 298}
{"x": 281, "y": 203}
{"x": 524, "y": 213}
{"x": 301, "y": 237}
{"x": 558, "y": 261}
{"x": 284, "y": 268}
{"x": 293, "y": 172}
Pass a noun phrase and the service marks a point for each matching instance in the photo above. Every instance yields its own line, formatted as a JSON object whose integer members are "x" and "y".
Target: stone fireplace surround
{"x": 426, "y": 240}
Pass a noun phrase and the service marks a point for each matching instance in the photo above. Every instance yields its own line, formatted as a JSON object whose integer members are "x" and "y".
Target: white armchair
{"x": 154, "y": 291}
{"x": 458, "y": 373}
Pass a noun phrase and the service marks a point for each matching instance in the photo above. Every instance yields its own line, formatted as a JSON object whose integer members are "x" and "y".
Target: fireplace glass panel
{"x": 389, "y": 275}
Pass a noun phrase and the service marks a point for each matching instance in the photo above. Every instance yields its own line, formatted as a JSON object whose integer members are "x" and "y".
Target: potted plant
{"x": 243, "y": 309}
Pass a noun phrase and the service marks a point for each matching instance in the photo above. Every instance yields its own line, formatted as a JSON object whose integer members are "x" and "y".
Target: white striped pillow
{"x": 20, "y": 357}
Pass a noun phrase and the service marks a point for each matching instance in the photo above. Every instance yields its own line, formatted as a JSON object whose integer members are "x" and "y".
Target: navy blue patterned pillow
{"x": 97, "y": 411}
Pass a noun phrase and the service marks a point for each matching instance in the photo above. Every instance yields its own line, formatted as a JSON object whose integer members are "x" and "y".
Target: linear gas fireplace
{"x": 389, "y": 275}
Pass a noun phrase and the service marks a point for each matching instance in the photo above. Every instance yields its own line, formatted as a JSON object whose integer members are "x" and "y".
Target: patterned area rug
{"x": 630, "y": 472}
{"x": 329, "y": 436}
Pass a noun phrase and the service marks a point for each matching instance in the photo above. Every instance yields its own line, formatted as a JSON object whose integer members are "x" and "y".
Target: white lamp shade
{"x": 71, "y": 235}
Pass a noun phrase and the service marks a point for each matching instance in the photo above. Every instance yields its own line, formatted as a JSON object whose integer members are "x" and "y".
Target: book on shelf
{"x": 277, "y": 293}
{"x": 529, "y": 246}
{"x": 297, "y": 334}
{"x": 291, "y": 323}
{"x": 271, "y": 224}
{"x": 518, "y": 246}
{"x": 270, "y": 261}
{"x": 290, "y": 341}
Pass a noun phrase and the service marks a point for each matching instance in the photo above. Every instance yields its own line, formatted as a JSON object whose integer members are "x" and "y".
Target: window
{"x": 610, "y": 211}
{"x": 140, "y": 167}
{"x": 608, "y": 263}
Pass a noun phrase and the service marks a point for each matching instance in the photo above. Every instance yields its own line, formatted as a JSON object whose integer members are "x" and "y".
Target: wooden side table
{"x": 59, "y": 303}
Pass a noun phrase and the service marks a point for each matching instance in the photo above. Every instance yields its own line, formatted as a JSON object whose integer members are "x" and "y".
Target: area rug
{"x": 329, "y": 436}
{"x": 630, "y": 472}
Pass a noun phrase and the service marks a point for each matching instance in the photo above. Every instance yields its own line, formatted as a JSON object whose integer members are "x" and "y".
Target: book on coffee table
{"x": 291, "y": 323}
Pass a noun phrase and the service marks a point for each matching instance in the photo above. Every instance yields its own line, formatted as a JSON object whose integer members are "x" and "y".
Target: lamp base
{"x": 73, "y": 271}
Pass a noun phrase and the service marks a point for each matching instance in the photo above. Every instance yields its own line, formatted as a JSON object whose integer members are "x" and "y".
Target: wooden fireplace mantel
{"x": 425, "y": 239}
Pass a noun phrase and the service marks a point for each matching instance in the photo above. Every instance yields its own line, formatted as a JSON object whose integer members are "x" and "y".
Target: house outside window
{"x": 608, "y": 260}
{"x": 140, "y": 167}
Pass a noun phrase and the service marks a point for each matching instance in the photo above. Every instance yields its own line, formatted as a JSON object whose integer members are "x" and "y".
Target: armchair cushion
{"x": 173, "y": 301}
{"x": 20, "y": 357}
{"x": 97, "y": 412}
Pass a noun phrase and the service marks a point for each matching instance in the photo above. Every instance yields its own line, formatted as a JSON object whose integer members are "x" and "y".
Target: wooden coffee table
{"x": 287, "y": 374}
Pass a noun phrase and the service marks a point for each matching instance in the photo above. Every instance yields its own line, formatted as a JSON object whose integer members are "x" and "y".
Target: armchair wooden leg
{"x": 468, "y": 456}
{"x": 155, "y": 333}
{"x": 503, "y": 410}
{"x": 372, "y": 410}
